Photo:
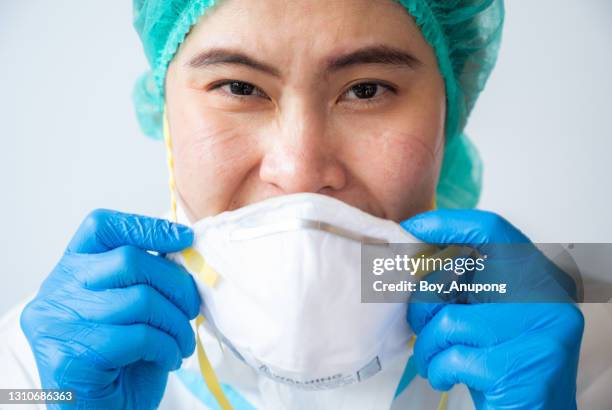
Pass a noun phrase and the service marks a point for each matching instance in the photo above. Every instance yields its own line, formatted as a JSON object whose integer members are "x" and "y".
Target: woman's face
{"x": 342, "y": 98}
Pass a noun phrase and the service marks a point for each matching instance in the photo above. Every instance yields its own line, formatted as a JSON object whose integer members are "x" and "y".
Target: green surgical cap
{"x": 465, "y": 35}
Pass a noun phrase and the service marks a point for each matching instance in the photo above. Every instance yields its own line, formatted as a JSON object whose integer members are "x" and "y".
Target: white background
{"x": 70, "y": 140}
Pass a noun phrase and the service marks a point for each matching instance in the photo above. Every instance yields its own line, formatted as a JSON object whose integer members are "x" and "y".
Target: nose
{"x": 302, "y": 156}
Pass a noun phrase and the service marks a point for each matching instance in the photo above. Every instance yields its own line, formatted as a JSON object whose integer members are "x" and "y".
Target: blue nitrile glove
{"x": 112, "y": 319}
{"x": 511, "y": 355}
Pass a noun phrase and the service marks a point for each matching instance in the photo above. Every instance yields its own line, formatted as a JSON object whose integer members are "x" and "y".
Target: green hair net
{"x": 465, "y": 35}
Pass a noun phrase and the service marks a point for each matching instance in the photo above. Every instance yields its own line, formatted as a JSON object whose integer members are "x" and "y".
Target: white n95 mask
{"x": 281, "y": 288}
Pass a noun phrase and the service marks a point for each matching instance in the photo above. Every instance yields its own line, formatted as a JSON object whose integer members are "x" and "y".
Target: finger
{"x": 424, "y": 304}
{"x": 478, "y": 398}
{"x": 112, "y": 346}
{"x": 463, "y": 227}
{"x": 438, "y": 288}
{"x": 135, "y": 304}
{"x": 483, "y": 369}
{"x": 128, "y": 266}
{"x": 419, "y": 314}
{"x": 105, "y": 229}
{"x": 471, "y": 325}
{"x": 462, "y": 364}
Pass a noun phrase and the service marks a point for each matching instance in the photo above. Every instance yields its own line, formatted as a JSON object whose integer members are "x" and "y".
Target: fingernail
{"x": 184, "y": 231}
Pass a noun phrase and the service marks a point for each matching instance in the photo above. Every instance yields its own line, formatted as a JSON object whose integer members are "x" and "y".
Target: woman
{"x": 360, "y": 100}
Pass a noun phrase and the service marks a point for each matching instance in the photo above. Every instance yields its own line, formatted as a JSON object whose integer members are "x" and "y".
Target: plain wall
{"x": 72, "y": 144}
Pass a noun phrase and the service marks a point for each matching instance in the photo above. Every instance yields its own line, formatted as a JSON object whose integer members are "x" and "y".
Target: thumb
{"x": 463, "y": 227}
{"x": 419, "y": 314}
{"x": 425, "y": 304}
{"x": 103, "y": 230}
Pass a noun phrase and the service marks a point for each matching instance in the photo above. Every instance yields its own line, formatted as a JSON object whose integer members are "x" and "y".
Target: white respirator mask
{"x": 280, "y": 282}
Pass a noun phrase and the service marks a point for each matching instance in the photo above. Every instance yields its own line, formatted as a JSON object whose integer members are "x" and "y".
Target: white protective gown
{"x": 247, "y": 390}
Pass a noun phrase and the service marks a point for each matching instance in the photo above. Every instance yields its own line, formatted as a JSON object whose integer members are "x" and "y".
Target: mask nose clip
{"x": 295, "y": 224}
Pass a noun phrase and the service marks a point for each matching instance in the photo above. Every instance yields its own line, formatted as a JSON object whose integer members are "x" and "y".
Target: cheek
{"x": 396, "y": 155}
{"x": 411, "y": 170}
{"x": 402, "y": 170}
{"x": 213, "y": 155}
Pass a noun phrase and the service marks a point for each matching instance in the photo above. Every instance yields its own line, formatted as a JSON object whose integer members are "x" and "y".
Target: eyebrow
{"x": 222, "y": 56}
{"x": 377, "y": 54}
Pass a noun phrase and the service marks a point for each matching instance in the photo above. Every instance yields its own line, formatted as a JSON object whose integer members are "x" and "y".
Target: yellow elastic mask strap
{"x": 195, "y": 262}
{"x": 208, "y": 372}
{"x": 193, "y": 259}
{"x": 170, "y": 163}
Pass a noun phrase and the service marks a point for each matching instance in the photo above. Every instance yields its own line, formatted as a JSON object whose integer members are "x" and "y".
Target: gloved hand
{"x": 510, "y": 355}
{"x": 112, "y": 319}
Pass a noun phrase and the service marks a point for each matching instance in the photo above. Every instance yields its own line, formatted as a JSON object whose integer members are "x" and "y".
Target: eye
{"x": 367, "y": 91}
{"x": 239, "y": 89}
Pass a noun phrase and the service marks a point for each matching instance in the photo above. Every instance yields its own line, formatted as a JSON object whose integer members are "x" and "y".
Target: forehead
{"x": 283, "y": 29}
